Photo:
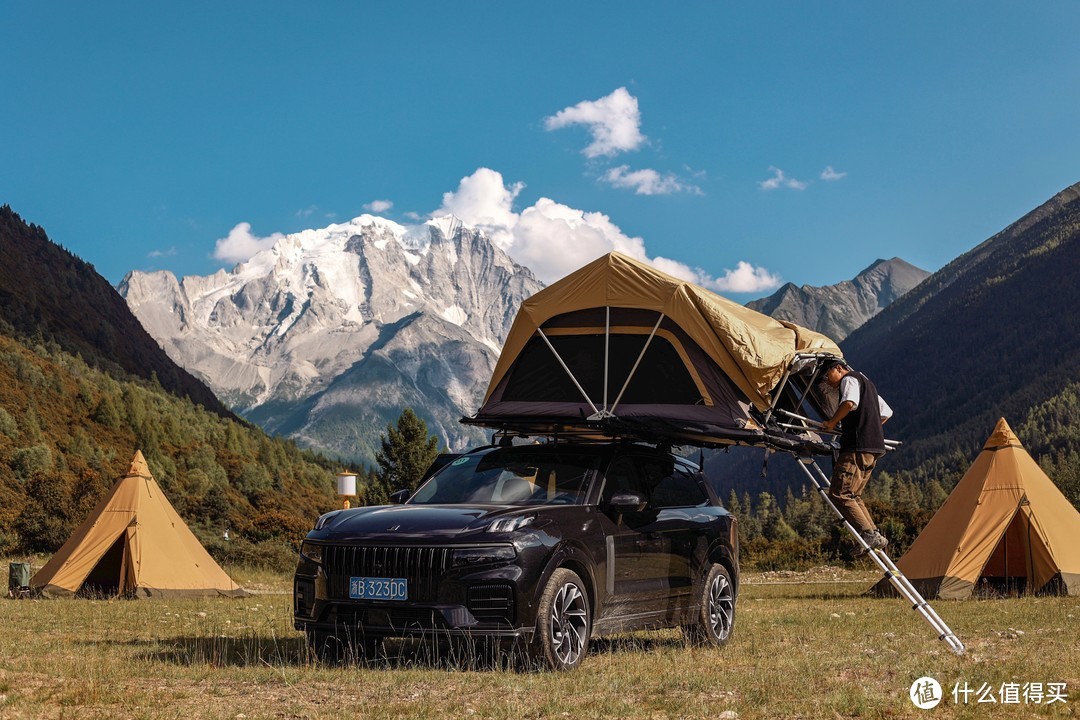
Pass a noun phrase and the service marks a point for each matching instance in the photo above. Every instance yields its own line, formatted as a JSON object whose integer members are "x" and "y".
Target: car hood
{"x": 397, "y": 521}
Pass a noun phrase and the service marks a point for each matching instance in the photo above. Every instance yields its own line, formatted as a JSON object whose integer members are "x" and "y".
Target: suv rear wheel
{"x": 716, "y": 613}
{"x": 563, "y": 622}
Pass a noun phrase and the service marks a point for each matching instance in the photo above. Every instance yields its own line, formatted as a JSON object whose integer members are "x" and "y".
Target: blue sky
{"x": 741, "y": 144}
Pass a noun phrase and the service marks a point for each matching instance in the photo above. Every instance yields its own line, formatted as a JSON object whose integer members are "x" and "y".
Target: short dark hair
{"x": 829, "y": 363}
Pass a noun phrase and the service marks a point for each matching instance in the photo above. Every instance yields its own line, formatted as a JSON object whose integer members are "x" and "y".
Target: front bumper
{"x": 443, "y": 601}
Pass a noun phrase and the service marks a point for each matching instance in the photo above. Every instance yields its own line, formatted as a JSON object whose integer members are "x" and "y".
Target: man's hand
{"x": 841, "y": 412}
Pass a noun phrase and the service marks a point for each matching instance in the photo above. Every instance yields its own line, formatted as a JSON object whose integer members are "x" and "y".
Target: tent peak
{"x": 1002, "y": 436}
{"x": 138, "y": 466}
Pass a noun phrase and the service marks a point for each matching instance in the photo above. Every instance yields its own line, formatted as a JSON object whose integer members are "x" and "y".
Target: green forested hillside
{"x": 82, "y": 386}
{"x": 993, "y": 334}
{"x": 49, "y": 294}
{"x": 68, "y": 431}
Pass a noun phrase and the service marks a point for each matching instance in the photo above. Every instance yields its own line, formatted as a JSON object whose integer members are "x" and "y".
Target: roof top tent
{"x": 619, "y": 349}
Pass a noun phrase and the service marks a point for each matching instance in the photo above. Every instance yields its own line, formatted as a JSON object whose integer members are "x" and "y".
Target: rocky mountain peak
{"x": 837, "y": 310}
{"x": 279, "y": 336}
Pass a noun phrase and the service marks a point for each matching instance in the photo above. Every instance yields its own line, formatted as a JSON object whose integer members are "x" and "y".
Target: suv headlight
{"x": 510, "y": 524}
{"x": 312, "y": 552}
{"x": 464, "y": 557}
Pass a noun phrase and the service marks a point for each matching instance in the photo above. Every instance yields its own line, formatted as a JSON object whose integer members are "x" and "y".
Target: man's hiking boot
{"x": 873, "y": 538}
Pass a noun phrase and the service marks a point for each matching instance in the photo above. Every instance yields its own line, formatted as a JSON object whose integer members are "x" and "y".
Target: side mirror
{"x": 628, "y": 501}
{"x": 399, "y": 497}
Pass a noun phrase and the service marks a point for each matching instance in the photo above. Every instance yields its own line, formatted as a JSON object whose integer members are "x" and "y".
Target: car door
{"x": 681, "y": 525}
{"x": 635, "y": 580}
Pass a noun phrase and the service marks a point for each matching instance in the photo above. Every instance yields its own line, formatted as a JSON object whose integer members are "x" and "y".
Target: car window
{"x": 670, "y": 485}
{"x": 517, "y": 476}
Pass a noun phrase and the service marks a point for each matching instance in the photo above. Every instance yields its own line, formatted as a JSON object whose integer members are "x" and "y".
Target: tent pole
{"x": 883, "y": 561}
{"x": 564, "y": 367}
{"x": 637, "y": 362}
{"x": 607, "y": 351}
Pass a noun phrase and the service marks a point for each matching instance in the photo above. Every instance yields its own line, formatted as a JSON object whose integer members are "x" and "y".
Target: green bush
{"x": 275, "y": 554}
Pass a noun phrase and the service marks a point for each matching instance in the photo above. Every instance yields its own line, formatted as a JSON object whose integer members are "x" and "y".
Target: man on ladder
{"x": 862, "y": 442}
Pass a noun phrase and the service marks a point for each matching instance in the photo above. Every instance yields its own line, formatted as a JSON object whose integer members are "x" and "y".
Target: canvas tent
{"x": 134, "y": 544}
{"x": 620, "y": 347}
{"x": 1004, "y": 521}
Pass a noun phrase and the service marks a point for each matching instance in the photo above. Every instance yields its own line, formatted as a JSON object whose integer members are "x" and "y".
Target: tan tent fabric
{"x": 136, "y": 542}
{"x": 1004, "y": 518}
{"x": 752, "y": 349}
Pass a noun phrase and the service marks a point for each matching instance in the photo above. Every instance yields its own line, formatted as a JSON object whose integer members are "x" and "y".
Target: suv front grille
{"x": 423, "y": 567}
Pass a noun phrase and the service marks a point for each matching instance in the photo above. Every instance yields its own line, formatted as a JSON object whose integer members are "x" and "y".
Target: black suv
{"x": 541, "y": 545}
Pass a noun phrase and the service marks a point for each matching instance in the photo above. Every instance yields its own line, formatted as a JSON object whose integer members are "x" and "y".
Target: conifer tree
{"x": 407, "y": 451}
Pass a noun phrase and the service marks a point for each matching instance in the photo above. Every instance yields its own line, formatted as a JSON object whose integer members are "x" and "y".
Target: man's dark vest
{"x": 861, "y": 430}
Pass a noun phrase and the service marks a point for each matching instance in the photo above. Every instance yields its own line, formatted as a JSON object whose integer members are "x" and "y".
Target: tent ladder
{"x": 896, "y": 578}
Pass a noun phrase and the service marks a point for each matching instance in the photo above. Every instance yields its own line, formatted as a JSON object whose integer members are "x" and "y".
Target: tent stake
{"x": 898, "y": 580}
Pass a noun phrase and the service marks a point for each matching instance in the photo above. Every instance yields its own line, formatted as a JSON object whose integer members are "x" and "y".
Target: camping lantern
{"x": 346, "y": 486}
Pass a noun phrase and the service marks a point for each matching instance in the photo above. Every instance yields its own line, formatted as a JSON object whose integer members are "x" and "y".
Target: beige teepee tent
{"x": 1005, "y": 520}
{"x": 134, "y": 544}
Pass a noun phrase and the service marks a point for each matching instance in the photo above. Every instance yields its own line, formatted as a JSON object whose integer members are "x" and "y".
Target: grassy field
{"x": 806, "y": 645}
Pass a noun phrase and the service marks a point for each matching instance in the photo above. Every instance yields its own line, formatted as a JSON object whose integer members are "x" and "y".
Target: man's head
{"x": 832, "y": 370}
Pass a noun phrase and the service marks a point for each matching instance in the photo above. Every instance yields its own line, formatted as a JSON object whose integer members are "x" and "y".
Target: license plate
{"x": 367, "y": 588}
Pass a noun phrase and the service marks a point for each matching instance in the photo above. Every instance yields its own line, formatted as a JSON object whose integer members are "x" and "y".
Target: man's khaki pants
{"x": 851, "y": 470}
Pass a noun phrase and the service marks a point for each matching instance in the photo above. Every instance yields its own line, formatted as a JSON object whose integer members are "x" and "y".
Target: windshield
{"x": 510, "y": 476}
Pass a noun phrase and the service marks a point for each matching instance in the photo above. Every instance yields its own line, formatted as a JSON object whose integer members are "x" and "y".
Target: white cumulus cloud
{"x": 614, "y": 121}
{"x": 241, "y": 244}
{"x": 647, "y": 181}
{"x": 828, "y": 174}
{"x": 553, "y": 239}
{"x": 745, "y": 278}
{"x": 379, "y": 206}
{"x": 484, "y": 201}
{"x": 780, "y": 180}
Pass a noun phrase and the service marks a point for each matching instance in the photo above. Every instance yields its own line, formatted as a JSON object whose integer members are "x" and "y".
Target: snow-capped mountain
{"x": 329, "y": 334}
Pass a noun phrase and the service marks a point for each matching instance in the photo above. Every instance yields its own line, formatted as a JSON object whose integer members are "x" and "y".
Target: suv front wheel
{"x": 563, "y": 622}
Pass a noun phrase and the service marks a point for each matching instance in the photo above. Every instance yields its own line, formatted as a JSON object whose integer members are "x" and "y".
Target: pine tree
{"x": 406, "y": 452}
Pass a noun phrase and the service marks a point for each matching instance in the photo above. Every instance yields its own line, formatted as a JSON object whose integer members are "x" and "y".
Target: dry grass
{"x": 806, "y": 645}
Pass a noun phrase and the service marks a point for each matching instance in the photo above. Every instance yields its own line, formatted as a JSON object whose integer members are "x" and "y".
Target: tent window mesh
{"x": 661, "y": 378}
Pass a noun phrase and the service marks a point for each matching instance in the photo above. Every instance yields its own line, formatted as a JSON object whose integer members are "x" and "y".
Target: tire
{"x": 340, "y": 649}
{"x": 715, "y": 619}
{"x": 563, "y": 622}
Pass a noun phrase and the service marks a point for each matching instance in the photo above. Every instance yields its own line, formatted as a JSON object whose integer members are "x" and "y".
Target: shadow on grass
{"x": 395, "y": 654}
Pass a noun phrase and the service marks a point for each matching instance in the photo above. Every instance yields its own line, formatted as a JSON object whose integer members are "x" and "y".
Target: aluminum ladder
{"x": 896, "y": 578}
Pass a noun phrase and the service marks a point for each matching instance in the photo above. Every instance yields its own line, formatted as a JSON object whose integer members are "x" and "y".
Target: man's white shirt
{"x": 849, "y": 392}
